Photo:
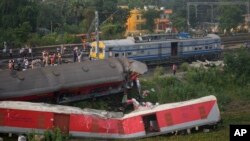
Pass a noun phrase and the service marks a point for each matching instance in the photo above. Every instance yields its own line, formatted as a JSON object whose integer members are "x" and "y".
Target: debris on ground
{"x": 207, "y": 64}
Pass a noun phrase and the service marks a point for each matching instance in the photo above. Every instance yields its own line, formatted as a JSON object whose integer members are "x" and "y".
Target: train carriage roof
{"x": 121, "y": 42}
{"x": 51, "y": 79}
{"x": 130, "y": 41}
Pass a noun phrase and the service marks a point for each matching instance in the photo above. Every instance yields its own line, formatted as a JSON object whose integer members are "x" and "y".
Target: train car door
{"x": 174, "y": 49}
{"x": 150, "y": 123}
{"x": 61, "y": 121}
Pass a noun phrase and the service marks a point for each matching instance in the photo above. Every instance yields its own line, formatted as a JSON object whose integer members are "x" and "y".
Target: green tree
{"x": 49, "y": 16}
{"x": 29, "y": 14}
{"x": 89, "y": 15}
{"x": 230, "y": 17}
{"x": 178, "y": 17}
{"x": 141, "y": 3}
{"x": 135, "y": 4}
{"x": 150, "y": 16}
{"x": 22, "y": 32}
{"x": 17, "y": 20}
{"x": 75, "y": 11}
{"x": 238, "y": 64}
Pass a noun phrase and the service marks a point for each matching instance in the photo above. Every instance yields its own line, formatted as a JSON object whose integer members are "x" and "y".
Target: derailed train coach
{"x": 70, "y": 82}
{"x": 160, "y": 48}
{"x": 25, "y": 117}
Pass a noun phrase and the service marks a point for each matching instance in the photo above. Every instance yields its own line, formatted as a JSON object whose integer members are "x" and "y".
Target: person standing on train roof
{"x": 11, "y": 65}
{"x": 75, "y": 54}
{"x": 59, "y": 58}
{"x": 136, "y": 82}
{"x": 26, "y": 63}
{"x": 10, "y": 52}
{"x": 174, "y": 68}
{"x": 30, "y": 52}
{"x": 4, "y": 47}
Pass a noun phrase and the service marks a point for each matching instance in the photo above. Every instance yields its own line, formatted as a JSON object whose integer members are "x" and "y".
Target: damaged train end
{"x": 69, "y": 82}
{"x": 25, "y": 117}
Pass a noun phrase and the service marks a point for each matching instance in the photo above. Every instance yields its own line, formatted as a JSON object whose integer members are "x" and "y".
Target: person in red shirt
{"x": 174, "y": 68}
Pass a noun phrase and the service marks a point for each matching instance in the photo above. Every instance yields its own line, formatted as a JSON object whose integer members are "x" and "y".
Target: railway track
{"x": 227, "y": 41}
{"x": 235, "y": 39}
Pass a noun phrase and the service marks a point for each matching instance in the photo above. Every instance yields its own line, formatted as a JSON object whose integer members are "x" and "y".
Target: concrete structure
{"x": 135, "y": 22}
{"x": 163, "y": 23}
{"x": 212, "y": 5}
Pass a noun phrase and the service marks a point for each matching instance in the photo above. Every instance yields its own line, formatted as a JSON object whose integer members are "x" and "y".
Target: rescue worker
{"x": 59, "y": 58}
{"x": 174, "y": 69}
{"x": 10, "y": 52}
{"x": 30, "y": 52}
{"x": 10, "y": 65}
{"x": 26, "y": 63}
{"x": 75, "y": 54}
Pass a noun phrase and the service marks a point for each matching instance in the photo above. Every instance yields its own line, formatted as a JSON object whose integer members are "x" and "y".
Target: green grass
{"x": 220, "y": 134}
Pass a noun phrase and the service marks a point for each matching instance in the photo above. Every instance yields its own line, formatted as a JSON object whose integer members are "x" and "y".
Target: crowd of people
{"x": 52, "y": 58}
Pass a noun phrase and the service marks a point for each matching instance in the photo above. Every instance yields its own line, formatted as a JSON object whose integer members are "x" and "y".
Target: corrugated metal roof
{"x": 121, "y": 42}
{"x": 131, "y": 42}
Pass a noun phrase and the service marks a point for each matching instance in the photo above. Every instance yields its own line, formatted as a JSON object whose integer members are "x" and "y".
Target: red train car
{"x": 69, "y": 82}
{"x": 25, "y": 117}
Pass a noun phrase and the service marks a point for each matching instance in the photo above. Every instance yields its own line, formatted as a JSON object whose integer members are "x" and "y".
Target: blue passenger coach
{"x": 160, "y": 48}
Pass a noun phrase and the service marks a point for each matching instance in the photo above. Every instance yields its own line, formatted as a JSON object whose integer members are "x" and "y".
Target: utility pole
{"x": 188, "y": 17}
{"x": 97, "y": 33}
{"x": 212, "y": 4}
{"x": 51, "y": 26}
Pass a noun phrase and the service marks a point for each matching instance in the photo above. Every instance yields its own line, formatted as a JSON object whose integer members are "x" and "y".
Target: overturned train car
{"x": 25, "y": 117}
{"x": 70, "y": 82}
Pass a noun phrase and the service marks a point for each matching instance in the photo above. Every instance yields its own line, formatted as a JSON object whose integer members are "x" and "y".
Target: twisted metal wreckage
{"x": 70, "y": 82}
{"x": 83, "y": 80}
{"x": 26, "y": 117}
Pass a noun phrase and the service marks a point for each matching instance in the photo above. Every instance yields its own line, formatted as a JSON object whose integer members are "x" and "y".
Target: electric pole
{"x": 97, "y": 33}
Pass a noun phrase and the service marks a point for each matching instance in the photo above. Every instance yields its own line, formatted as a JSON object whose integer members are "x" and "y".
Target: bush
{"x": 53, "y": 39}
{"x": 238, "y": 64}
{"x": 184, "y": 66}
{"x": 158, "y": 71}
{"x": 54, "y": 135}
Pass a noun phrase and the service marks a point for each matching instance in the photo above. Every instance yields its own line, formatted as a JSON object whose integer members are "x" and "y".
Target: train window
{"x": 110, "y": 49}
{"x": 200, "y": 48}
{"x": 101, "y": 50}
{"x": 141, "y": 50}
{"x": 206, "y": 47}
{"x": 129, "y": 53}
{"x": 116, "y": 54}
{"x": 210, "y": 47}
{"x": 123, "y": 54}
{"x": 196, "y": 48}
{"x": 186, "y": 48}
